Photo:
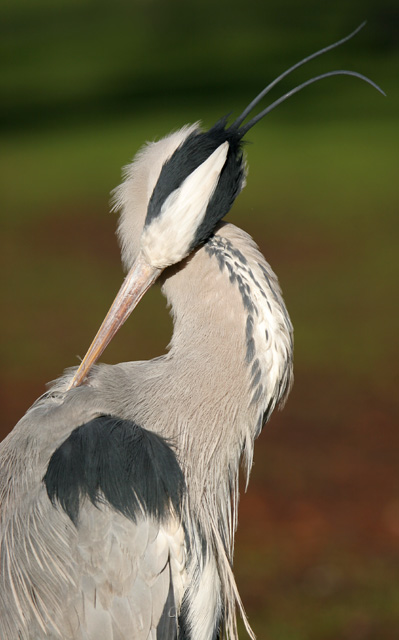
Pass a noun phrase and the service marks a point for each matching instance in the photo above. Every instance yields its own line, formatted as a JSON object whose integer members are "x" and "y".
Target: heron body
{"x": 119, "y": 486}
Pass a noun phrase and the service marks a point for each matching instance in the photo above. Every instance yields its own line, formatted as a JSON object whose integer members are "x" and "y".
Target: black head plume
{"x": 340, "y": 72}
{"x": 198, "y": 146}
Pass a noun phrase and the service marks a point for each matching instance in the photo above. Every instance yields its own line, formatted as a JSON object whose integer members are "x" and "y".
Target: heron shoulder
{"x": 115, "y": 461}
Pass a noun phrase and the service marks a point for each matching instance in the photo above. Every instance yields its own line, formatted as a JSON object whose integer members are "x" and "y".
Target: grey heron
{"x": 119, "y": 486}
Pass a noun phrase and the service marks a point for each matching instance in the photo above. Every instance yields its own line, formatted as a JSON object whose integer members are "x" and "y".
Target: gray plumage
{"x": 119, "y": 487}
{"x": 107, "y": 576}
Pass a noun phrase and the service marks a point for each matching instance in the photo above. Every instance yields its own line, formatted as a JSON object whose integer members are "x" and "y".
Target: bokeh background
{"x": 84, "y": 83}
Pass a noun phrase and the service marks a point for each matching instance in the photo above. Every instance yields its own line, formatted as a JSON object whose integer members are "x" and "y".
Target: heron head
{"x": 175, "y": 192}
{"x": 131, "y": 198}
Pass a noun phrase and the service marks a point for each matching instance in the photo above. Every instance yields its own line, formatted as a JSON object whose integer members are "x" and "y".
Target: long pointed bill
{"x": 139, "y": 279}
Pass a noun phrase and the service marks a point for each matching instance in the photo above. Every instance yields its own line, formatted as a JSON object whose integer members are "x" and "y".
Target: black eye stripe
{"x": 195, "y": 149}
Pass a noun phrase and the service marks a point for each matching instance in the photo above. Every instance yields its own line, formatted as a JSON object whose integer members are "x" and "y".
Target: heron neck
{"x": 230, "y": 355}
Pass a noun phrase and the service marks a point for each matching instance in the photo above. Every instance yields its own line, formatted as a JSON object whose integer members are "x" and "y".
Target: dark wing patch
{"x": 114, "y": 461}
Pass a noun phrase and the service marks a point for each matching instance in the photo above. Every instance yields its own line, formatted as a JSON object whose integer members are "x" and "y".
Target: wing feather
{"x": 90, "y": 552}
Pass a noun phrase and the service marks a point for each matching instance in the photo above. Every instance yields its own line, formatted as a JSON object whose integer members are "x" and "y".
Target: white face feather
{"x": 168, "y": 237}
{"x": 132, "y": 196}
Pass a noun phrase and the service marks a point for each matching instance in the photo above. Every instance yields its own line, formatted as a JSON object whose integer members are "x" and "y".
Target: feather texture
{"x": 119, "y": 497}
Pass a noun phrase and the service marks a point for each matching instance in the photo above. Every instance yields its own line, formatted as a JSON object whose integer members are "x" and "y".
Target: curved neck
{"x": 231, "y": 351}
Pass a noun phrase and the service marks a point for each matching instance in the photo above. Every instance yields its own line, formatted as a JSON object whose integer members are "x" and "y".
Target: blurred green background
{"x": 83, "y": 85}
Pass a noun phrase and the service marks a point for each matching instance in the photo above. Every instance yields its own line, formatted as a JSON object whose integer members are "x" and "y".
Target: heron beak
{"x": 139, "y": 279}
